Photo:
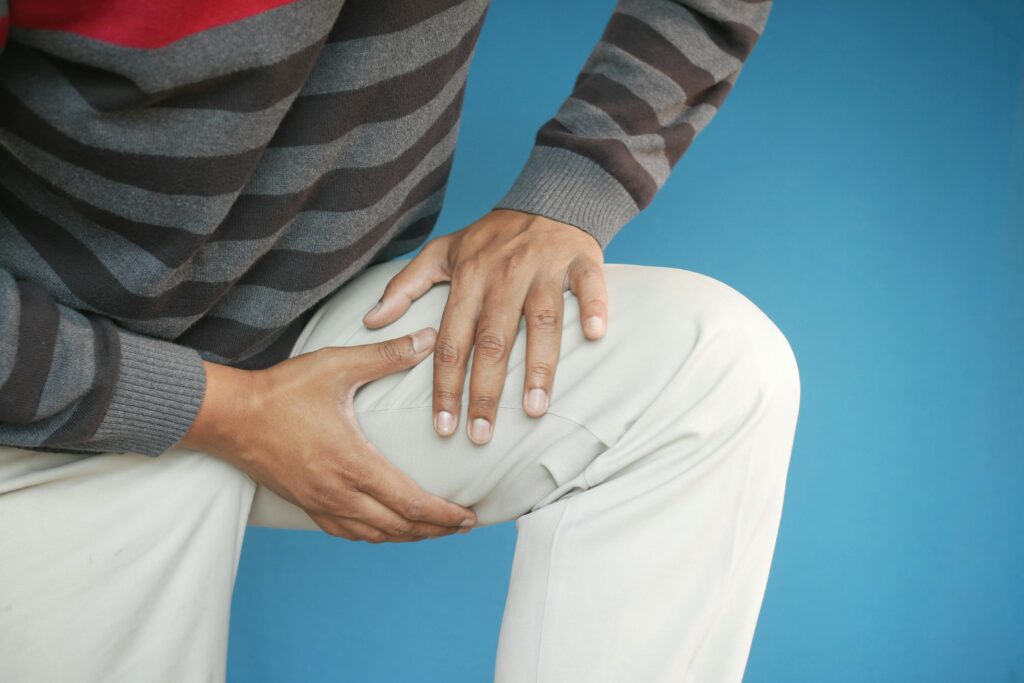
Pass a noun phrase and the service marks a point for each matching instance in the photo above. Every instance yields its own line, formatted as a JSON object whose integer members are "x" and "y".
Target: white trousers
{"x": 647, "y": 502}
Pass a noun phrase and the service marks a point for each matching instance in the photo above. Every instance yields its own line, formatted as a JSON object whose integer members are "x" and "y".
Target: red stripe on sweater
{"x": 134, "y": 23}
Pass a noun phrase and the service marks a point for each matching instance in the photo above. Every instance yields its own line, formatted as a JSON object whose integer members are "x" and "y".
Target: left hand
{"x": 501, "y": 267}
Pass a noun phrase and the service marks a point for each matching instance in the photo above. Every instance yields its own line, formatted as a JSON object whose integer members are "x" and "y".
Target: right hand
{"x": 292, "y": 427}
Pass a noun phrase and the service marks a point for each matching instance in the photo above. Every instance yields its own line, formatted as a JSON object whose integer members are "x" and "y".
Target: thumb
{"x": 410, "y": 283}
{"x": 368, "y": 362}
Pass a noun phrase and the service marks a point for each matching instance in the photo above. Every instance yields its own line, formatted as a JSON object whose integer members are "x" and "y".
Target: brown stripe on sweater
{"x": 610, "y": 154}
{"x": 322, "y": 118}
{"x": 226, "y": 337}
{"x": 643, "y": 42}
{"x": 254, "y": 217}
{"x": 200, "y": 176}
{"x": 277, "y": 350}
{"x": 293, "y": 271}
{"x": 37, "y": 338}
{"x": 314, "y": 120}
{"x": 634, "y": 114}
{"x": 366, "y": 18}
{"x": 92, "y": 281}
{"x": 88, "y": 278}
{"x": 170, "y": 245}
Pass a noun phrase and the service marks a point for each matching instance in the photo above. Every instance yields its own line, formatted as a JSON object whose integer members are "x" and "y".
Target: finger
{"x": 496, "y": 331}
{"x": 397, "y": 490}
{"x": 372, "y": 512}
{"x": 451, "y": 351}
{"x": 543, "y": 311}
{"x": 410, "y": 283}
{"x": 366, "y": 362}
{"x": 586, "y": 280}
{"x": 356, "y": 530}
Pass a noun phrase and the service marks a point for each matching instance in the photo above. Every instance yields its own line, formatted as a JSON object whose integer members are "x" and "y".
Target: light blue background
{"x": 864, "y": 185}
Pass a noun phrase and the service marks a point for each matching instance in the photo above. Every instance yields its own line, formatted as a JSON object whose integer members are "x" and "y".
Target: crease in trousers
{"x": 647, "y": 502}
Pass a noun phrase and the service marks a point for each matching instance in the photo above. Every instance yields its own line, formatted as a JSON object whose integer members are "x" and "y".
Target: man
{"x": 198, "y": 204}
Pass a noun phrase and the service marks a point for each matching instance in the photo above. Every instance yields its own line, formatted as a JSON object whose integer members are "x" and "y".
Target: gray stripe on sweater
{"x": 10, "y": 311}
{"x": 142, "y": 274}
{"x": 587, "y": 120}
{"x": 363, "y": 62}
{"x": 753, "y": 14}
{"x": 285, "y": 170}
{"x": 73, "y": 364}
{"x": 263, "y": 306}
{"x": 181, "y": 211}
{"x": 152, "y": 130}
{"x": 21, "y": 261}
{"x": 677, "y": 24}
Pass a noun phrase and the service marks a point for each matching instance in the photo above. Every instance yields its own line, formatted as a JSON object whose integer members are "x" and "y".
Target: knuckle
{"x": 512, "y": 265}
{"x": 354, "y": 475}
{"x": 414, "y": 509}
{"x": 543, "y": 319}
{"x": 490, "y": 344}
{"x": 318, "y": 494}
{"x": 402, "y": 529}
{"x": 446, "y": 351}
{"x": 390, "y": 351}
{"x": 486, "y": 403}
{"x": 541, "y": 369}
{"x": 331, "y": 527}
{"x": 445, "y": 397}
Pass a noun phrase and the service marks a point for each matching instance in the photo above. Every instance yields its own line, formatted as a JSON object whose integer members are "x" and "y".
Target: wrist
{"x": 227, "y": 407}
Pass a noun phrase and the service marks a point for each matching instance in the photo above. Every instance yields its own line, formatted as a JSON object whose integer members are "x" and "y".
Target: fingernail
{"x": 594, "y": 324}
{"x": 421, "y": 339}
{"x": 480, "y": 430}
{"x": 467, "y": 522}
{"x": 444, "y": 422}
{"x": 536, "y": 400}
{"x": 374, "y": 309}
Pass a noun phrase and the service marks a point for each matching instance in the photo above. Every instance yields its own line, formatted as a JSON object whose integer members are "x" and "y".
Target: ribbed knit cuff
{"x": 160, "y": 386}
{"x": 570, "y": 188}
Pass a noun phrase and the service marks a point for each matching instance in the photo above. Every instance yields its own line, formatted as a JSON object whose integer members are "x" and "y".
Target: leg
{"x": 647, "y": 500}
{"x": 117, "y": 567}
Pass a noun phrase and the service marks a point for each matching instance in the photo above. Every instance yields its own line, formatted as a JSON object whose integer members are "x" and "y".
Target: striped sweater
{"x": 182, "y": 181}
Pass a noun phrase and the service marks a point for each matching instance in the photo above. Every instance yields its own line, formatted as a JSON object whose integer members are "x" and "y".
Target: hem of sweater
{"x": 159, "y": 389}
{"x": 570, "y": 188}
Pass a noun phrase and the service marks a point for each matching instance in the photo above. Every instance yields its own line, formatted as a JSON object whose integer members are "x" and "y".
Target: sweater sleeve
{"x": 74, "y": 381}
{"x": 77, "y": 382}
{"x": 660, "y": 72}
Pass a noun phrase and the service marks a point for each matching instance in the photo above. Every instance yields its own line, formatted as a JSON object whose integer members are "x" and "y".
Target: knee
{"x": 699, "y": 318}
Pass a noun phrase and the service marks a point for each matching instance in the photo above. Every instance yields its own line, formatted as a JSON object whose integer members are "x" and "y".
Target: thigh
{"x": 657, "y": 317}
{"x": 117, "y": 567}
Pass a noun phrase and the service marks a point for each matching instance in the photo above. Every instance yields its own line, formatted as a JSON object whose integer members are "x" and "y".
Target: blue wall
{"x": 864, "y": 184}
